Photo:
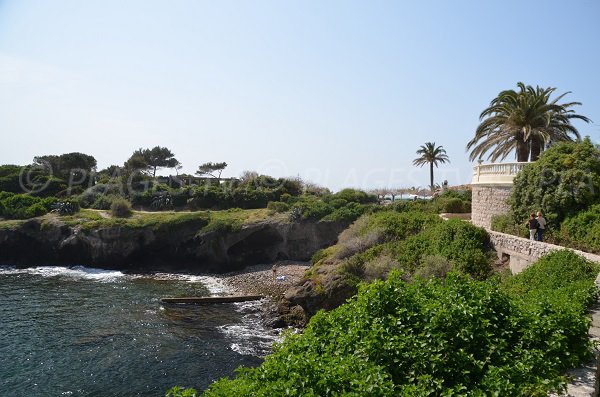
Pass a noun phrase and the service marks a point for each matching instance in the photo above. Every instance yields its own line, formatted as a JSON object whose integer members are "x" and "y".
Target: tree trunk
{"x": 522, "y": 151}
{"x": 431, "y": 175}
{"x": 536, "y": 147}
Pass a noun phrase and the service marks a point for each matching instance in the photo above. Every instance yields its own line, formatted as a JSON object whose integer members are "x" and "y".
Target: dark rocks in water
{"x": 178, "y": 247}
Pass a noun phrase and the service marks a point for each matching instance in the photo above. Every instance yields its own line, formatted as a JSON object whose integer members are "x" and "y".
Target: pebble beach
{"x": 259, "y": 280}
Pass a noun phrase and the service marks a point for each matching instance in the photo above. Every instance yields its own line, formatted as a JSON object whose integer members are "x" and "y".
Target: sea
{"x": 80, "y": 331}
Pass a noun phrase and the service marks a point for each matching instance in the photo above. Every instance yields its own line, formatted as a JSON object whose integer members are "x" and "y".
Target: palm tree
{"x": 432, "y": 155}
{"x": 526, "y": 121}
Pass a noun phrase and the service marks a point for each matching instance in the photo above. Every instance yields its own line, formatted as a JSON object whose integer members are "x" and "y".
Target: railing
{"x": 496, "y": 172}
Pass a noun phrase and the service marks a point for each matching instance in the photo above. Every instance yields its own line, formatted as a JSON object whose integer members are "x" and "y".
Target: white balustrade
{"x": 502, "y": 173}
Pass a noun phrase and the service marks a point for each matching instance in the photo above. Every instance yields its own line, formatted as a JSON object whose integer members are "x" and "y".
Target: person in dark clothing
{"x": 542, "y": 226}
{"x": 533, "y": 225}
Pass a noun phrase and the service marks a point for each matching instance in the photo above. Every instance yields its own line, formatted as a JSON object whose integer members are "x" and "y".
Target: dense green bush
{"x": 399, "y": 225}
{"x": 433, "y": 266}
{"x": 353, "y": 195}
{"x": 463, "y": 244}
{"x": 345, "y": 206}
{"x": 455, "y": 205}
{"x": 278, "y": 206}
{"x": 557, "y": 290}
{"x": 24, "y": 206}
{"x": 347, "y": 213}
{"x": 583, "y": 230}
{"x": 506, "y": 223}
{"x": 312, "y": 207}
{"x": 92, "y": 194}
{"x": 434, "y": 337}
{"x": 120, "y": 208}
{"x": 564, "y": 181}
{"x": 104, "y": 202}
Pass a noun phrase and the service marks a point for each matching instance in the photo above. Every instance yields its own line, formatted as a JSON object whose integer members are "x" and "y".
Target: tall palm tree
{"x": 525, "y": 121}
{"x": 432, "y": 155}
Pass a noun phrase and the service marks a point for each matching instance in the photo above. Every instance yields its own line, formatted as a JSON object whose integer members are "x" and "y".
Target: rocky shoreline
{"x": 259, "y": 280}
{"x": 171, "y": 247}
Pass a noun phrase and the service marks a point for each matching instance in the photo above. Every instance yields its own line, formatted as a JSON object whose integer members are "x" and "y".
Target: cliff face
{"x": 167, "y": 247}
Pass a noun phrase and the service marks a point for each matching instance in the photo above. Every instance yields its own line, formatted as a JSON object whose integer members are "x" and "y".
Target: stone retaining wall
{"x": 523, "y": 252}
{"x": 487, "y": 201}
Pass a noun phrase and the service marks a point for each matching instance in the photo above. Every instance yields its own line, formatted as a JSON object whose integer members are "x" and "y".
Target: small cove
{"x": 88, "y": 332}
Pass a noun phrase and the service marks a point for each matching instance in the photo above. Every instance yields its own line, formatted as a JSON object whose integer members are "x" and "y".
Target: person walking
{"x": 542, "y": 226}
{"x": 532, "y": 224}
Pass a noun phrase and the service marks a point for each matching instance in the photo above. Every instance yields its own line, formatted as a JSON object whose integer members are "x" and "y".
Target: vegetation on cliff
{"x": 31, "y": 191}
{"x": 408, "y": 236}
{"x": 430, "y": 337}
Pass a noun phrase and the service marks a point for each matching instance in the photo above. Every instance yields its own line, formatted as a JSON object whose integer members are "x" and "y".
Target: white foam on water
{"x": 250, "y": 337}
{"x": 75, "y": 272}
{"x": 215, "y": 285}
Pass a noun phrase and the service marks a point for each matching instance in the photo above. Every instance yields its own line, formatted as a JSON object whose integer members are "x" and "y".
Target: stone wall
{"x": 523, "y": 252}
{"x": 487, "y": 201}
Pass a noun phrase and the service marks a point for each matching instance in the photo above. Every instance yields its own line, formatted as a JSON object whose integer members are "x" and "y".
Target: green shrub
{"x": 556, "y": 272}
{"x": 399, "y": 225}
{"x": 358, "y": 237}
{"x": 317, "y": 256}
{"x": 223, "y": 225}
{"x": 583, "y": 230}
{"x": 5, "y": 195}
{"x": 104, "y": 202}
{"x": 285, "y": 198}
{"x": 35, "y": 210}
{"x": 120, "y": 208}
{"x": 355, "y": 196}
{"x": 347, "y": 213}
{"x": 427, "y": 338}
{"x": 455, "y": 205}
{"x": 557, "y": 291}
{"x": 379, "y": 267}
{"x": 311, "y": 207}
{"x": 506, "y": 223}
{"x": 463, "y": 244}
{"x": 352, "y": 268}
{"x": 92, "y": 194}
{"x": 562, "y": 182}
{"x": 278, "y": 206}
{"x": 433, "y": 266}
{"x": 24, "y": 206}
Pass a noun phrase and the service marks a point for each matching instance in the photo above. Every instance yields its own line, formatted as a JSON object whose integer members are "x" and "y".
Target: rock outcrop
{"x": 179, "y": 247}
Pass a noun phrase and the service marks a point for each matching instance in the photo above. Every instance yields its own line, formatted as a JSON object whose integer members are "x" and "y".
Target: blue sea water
{"x": 89, "y": 332}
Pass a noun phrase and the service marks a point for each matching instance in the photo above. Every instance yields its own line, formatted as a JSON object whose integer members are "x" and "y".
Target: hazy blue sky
{"x": 340, "y": 92}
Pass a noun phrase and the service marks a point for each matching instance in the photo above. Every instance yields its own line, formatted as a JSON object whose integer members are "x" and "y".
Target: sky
{"x": 340, "y": 93}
